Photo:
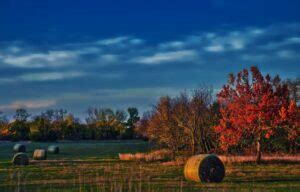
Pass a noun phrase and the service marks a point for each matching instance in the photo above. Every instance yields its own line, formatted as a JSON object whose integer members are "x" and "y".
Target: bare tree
{"x": 195, "y": 116}
{"x": 184, "y": 122}
{"x": 163, "y": 128}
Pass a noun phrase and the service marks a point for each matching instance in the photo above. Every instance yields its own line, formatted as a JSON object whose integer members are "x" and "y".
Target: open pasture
{"x": 94, "y": 166}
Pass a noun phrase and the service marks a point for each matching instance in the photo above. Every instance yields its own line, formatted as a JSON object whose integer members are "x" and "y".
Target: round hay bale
{"x": 53, "y": 149}
{"x": 204, "y": 168}
{"x": 40, "y": 154}
{"x": 20, "y": 159}
{"x": 19, "y": 148}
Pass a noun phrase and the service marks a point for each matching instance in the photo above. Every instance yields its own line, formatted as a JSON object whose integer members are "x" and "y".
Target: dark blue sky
{"x": 75, "y": 53}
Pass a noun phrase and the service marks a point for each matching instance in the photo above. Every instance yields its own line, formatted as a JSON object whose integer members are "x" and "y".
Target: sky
{"x": 76, "y": 54}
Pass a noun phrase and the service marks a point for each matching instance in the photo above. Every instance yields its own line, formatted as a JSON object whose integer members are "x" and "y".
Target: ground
{"x": 94, "y": 166}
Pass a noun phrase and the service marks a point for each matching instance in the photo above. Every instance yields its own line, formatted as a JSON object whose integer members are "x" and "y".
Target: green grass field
{"x": 94, "y": 166}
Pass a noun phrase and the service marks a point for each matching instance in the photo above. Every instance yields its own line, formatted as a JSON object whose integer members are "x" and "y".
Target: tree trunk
{"x": 258, "y": 151}
{"x": 193, "y": 142}
{"x": 173, "y": 154}
{"x": 193, "y": 146}
{"x": 292, "y": 147}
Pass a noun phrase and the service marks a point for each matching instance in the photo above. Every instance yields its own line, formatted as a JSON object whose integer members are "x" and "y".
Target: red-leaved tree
{"x": 254, "y": 107}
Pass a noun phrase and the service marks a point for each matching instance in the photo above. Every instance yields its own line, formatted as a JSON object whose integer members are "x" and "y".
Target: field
{"x": 94, "y": 166}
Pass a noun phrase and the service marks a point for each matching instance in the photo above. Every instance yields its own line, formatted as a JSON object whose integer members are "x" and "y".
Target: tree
{"x": 4, "y": 127}
{"x": 39, "y": 128}
{"x": 201, "y": 120}
{"x": 290, "y": 120}
{"x": 131, "y": 121}
{"x": 20, "y": 129}
{"x": 251, "y": 108}
{"x": 141, "y": 127}
{"x": 183, "y": 123}
{"x": 195, "y": 116}
{"x": 72, "y": 128}
{"x": 162, "y": 126}
{"x": 105, "y": 123}
{"x": 58, "y": 117}
{"x": 119, "y": 122}
{"x": 21, "y": 115}
{"x": 294, "y": 89}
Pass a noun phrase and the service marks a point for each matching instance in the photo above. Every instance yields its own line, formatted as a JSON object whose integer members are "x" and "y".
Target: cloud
{"x": 257, "y": 57}
{"x": 103, "y": 96}
{"x": 286, "y": 54}
{"x": 172, "y": 44}
{"x": 216, "y": 41}
{"x": 109, "y": 58}
{"x": 229, "y": 42}
{"x": 50, "y": 76}
{"x": 214, "y": 48}
{"x": 210, "y": 35}
{"x": 237, "y": 44}
{"x": 86, "y": 50}
{"x": 7, "y": 80}
{"x": 111, "y": 75}
{"x": 273, "y": 45}
{"x": 112, "y": 41}
{"x": 34, "y": 104}
{"x": 56, "y": 76}
{"x": 32, "y": 57}
{"x": 118, "y": 67}
{"x": 137, "y": 92}
{"x": 293, "y": 40}
{"x": 165, "y": 57}
{"x": 257, "y": 31}
{"x": 38, "y": 60}
{"x": 120, "y": 40}
{"x": 136, "y": 41}
{"x": 14, "y": 49}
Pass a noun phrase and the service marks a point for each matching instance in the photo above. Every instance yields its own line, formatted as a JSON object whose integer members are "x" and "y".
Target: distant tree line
{"x": 51, "y": 125}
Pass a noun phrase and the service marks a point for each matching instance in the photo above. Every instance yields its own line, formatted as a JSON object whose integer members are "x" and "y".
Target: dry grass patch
{"x": 159, "y": 155}
{"x": 266, "y": 159}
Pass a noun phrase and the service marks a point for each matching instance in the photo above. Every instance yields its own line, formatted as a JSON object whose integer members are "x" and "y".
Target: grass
{"x": 79, "y": 150}
{"x": 94, "y": 166}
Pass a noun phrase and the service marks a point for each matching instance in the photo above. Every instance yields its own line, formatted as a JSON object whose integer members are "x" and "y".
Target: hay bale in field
{"x": 204, "y": 168}
{"x": 40, "y": 154}
{"x": 140, "y": 156}
{"x": 126, "y": 157}
{"x": 19, "y": 148}
{"x": 20, "y": 159}
{"x": 53, "y": 149}
{"x": 159, "y": 155}
{"x": 149, "y": 158}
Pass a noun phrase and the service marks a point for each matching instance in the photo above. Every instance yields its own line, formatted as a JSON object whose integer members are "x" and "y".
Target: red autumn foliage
{"x": 254, "y": 106}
